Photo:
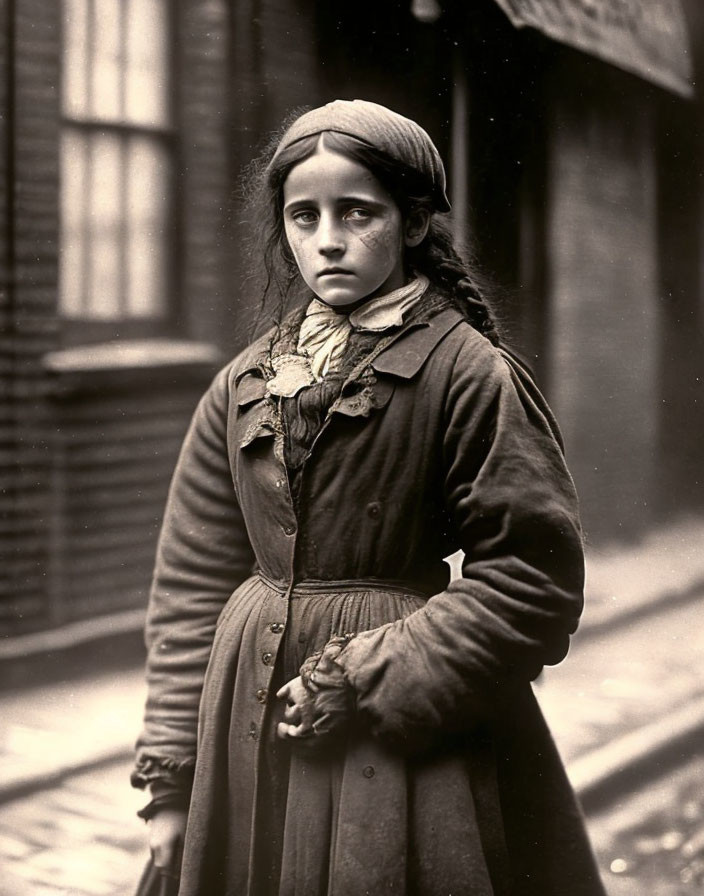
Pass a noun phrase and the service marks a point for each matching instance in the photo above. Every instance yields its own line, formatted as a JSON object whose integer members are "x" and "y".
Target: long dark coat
{"x": 450, "y": 784}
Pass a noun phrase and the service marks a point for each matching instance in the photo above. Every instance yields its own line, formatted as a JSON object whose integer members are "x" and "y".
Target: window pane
{"x": 147, "y": 88}
{"x": 116, "y": 183}
{"x": 106, "y": 227}
{"x": 75, "y": 61}
{"x": 148, "y": 217}
{"x": 108, "y": 61}
{"x": 73, "y": 200}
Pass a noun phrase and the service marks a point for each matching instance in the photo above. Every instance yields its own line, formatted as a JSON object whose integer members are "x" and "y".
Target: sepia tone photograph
{"x": 351, "y": 448}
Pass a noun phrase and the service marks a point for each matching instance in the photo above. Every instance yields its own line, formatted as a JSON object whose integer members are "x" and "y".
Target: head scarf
{"x": 398, "y": 137}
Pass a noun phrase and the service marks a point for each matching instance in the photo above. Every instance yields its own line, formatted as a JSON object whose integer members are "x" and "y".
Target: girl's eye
{"x": 358, "y": 214}
{"x": 304, "y": 218}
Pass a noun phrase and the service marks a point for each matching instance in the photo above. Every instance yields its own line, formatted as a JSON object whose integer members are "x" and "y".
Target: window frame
{"x": 77, "y": 329}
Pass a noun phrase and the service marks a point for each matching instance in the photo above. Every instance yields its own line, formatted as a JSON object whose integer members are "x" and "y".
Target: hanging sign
{"x": 645, "y": 37}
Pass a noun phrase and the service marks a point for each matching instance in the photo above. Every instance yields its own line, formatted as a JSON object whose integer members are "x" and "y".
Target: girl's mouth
{"x": 333, "y": 272}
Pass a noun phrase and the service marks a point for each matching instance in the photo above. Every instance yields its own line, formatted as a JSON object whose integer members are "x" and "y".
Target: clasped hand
{"x": 298, "y": 713}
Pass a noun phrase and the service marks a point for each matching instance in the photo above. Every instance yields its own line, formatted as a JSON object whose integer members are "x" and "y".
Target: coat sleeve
{"x": 514, "y": 508}
{"x": 203, "y": 555}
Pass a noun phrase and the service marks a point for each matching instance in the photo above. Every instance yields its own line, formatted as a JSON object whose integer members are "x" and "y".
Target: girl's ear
{"x": 416, "y": 226}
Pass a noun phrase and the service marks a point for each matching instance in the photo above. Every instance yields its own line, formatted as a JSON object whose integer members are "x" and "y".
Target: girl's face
{"x": 344, "y": 229}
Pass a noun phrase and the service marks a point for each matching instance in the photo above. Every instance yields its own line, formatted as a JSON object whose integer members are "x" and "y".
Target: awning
{"x": 645, "y": 37}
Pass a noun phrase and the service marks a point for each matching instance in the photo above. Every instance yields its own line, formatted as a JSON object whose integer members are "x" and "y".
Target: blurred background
{"x": 573, "y": 135}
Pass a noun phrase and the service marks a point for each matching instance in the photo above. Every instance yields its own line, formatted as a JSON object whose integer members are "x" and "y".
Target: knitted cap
{"x": 398, "y": 137}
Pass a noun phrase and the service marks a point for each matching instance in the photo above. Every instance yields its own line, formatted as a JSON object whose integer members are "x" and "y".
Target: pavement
{"x": 51, "y": 731}
{"x": 78, "y": 838}
{"x": 631, "y": 692}
{"x": 625, "y": 581}
{"x": 628, "y": 702}
{"x": 652, "y": 840}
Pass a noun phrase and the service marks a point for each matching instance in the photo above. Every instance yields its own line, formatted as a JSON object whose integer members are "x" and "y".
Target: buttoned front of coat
{"x": 355, "y": 454}
{"x": 448, "y": 445}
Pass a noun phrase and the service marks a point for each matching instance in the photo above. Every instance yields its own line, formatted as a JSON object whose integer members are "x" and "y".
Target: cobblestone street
{"x": 79, "y": 839}
{"x": 83, "y": 838}
{"x": 652, "y": 840}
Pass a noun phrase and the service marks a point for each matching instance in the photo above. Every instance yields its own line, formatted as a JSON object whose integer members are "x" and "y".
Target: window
{"x": 115, "y": 161}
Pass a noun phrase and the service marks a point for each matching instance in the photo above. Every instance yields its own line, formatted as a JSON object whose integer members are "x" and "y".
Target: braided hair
{"x": 436, "y": 256}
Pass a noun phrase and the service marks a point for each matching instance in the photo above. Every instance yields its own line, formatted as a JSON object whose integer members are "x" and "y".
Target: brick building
{"x": 125, "y": 126}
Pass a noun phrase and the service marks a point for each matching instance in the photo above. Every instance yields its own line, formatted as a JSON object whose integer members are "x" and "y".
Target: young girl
{"x": 366, "y": 726}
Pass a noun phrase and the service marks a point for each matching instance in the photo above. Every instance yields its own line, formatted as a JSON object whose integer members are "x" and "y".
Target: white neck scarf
{"x": 324, "y": 331}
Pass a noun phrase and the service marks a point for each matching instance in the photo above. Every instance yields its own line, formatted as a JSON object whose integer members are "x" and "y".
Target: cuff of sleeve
{"x": 172, "y": 772}
{"x": 165, "y": 799}
{"x": 330, "y": 693}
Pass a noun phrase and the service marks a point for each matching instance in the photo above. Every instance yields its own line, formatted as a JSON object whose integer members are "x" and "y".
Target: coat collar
{"x": 403, "y": 357}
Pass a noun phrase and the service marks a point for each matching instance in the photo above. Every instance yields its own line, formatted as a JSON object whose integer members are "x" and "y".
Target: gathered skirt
{"x": 470, "y": 817}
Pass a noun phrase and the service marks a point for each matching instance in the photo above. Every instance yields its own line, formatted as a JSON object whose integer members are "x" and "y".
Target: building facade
{"x": 126, "y": 127}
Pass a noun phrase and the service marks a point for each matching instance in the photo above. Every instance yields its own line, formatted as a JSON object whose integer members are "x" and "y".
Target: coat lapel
{"x": 256, "y": 416}
{"x": 250, "y": 388}
{"x": 402, "y": 357}
{"x": 405, "y": 356}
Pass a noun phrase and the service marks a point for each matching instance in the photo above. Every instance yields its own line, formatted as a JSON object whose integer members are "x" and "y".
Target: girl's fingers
{"x": 293, "y": 690}
{"x": 292, "y": 713}
{"x": 284, "y": 731}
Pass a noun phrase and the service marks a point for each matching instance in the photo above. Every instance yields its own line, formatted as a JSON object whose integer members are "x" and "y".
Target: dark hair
{"x": 436, "y": 256}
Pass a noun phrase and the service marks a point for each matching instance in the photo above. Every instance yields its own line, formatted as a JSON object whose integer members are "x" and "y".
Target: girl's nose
{"x": 330, "y": 236}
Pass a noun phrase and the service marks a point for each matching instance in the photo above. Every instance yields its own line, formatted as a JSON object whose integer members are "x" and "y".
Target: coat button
{"x": 368, "y": 771}
{"x": 267, "y": 658}
{"x": 280, "y": 483}
{"x": 261, "y": 695}
{"x": 374, "y": 510}
{"x": 288, "y": 529}
{"x": 253, "y": 731}
{"x": 277, "y": 627}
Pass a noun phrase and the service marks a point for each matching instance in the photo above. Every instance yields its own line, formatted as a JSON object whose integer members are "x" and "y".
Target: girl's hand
{"x": 167, "y": 830}
{"x": 298, "y": 712}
